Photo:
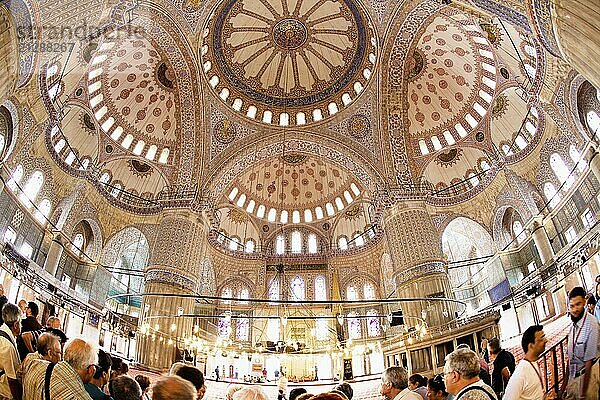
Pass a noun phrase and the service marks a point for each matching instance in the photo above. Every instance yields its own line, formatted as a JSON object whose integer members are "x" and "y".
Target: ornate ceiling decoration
{"x": 453, "y": 81}
{"x": 294, "y": 182}
{"x": 134, "y": 96}
{"x": 288, "y": 62}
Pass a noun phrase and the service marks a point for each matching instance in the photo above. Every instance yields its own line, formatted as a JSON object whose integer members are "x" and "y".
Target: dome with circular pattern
{"x": 288, "y": 62}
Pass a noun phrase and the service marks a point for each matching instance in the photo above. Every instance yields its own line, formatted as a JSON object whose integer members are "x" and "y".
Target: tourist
{"x": 461, "y": 377}
{"x": 30, "y": 323}
{"x": 231, "y": 391}
{"x": 305, "y": 396}
{"x": 195, "y": 377}
{"x": 175, "y": 367}
{"x": 418, "y": 384}
{"x": 582, "y": 348}
{"x": 3, "y": 301}
{"x": 10, "y": 386}
{"x": 52, "y": 326}
{"x": 436, "y": 389}
{"x": 144, "y": 383}
{"x": 250, "y": 393}
{"x": 394, "y": 385}
{"x": 504, "y": 366}
{"x": 173, "y": 388}
{"x": 346, "y": 389}
{"x": 295, "y": 392}
{"x": 23, "y": 305}
{"x": 526, "y": 383}
{"x": 95, "y": 387}
{"x": 48, "y": 348}
{"x": 125, "y": 388}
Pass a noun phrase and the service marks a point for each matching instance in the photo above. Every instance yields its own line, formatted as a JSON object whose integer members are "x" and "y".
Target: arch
{"x": 464, "y": 236}
{"x": 7, "y": 133}
{"x": 227, "y": 169}
{"x": 31, "y": 188}
{"x": 297, "y": 289}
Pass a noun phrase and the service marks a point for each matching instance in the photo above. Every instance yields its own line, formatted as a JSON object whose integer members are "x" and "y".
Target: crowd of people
{"x": 40, "y": 363}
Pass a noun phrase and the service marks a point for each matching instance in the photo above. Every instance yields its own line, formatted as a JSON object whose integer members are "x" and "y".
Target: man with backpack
{"x": 10, "y": 385}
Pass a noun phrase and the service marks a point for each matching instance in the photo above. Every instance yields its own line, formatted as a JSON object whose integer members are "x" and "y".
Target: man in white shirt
{"x": 394, "y": 385}
{"x": 526, "y": 382}
{"x": 10, "y": 385}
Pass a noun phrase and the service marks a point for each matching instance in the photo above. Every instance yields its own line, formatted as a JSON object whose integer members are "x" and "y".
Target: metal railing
{"x": 554, "y": 366}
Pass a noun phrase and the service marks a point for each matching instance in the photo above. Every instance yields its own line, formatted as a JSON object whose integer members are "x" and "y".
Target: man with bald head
{"x": 48, "y": 351}
{"x": 173, "y": 388}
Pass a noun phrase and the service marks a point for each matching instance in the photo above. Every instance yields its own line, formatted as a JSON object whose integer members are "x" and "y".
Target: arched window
{"x": 78, "y": 243}
{"x": 551, "y": 194}
{"x": 243, "y": 328}
{"x": 32, "y": 188}
{"x": 351, "y": 293}
{"x": 234, "y": 242}
{"x": 520, "y": 142}
{"x": 329, "y": 208}
{"x": 59, "y": 145}
{"x": 358, "y": 239}
{"x": 226, "y": 293}
{"x": 506, "y": 150}
{"x": 296, "y": 242}
{"x": 484, "y": 165}
{"x": 473, "y": 179}
{"x": 70, "y": 158}
{"x": 342, "y": 243}
{"x": 297, "y": 289}
{"x": 224, "y": 327}
{"x": 517, "y": 227}
{"x": 105, "y": 177}
{"x": 116, "y": 189}
{"x": 373, "y": 323}
{"x": 322, "y": 328}
{"x": 280, "y": 244}
{"x": 561, "y": 170}
{"x": 249, "y": 246}
{"x": 354, "y": 331}
{"x": 577, "y": 159}
{"x": 43, "y": 211}
{"x": 274, "y": 289}
{"x": 369, "y": 291}
{"x": 593, "y": 121}
{"x": 15, "y": 178}
{"x": 312, "y": 243}
{"x": 320, "y": 288}
{"x": 244, "y": 295}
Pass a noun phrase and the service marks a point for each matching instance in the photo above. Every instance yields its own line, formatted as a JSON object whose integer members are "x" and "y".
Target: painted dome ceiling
{"x": 133, "y": 93}
{"x": 288, "y": 62}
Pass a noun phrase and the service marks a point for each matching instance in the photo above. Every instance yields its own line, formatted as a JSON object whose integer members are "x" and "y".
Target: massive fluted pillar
{"x": 174, "y": 267}
{"x": 54, "y": 253}
{"x": 9, "y": 57}
{"x": 419, "y": 267}
{"x": 570, "y": 29}
{"x": 541, "y": 240}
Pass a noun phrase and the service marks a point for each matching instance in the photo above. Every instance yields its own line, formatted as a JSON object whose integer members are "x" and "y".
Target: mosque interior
{"x": 335, "y": 186}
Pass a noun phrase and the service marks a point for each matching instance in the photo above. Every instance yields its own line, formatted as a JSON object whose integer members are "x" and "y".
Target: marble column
{"x": 174, "y": 266}
{"x": 419, "y": 267}
{"x": 54, "y": 253}
{"x": 9, "y": 57}
{"x": 541, "y": 240}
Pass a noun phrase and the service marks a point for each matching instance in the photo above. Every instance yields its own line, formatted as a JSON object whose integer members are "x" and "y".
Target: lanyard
{"x": 537, "y": 373}
{"x": 579, "y": 332}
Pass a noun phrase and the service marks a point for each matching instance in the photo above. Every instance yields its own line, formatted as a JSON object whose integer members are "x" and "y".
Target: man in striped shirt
{"x": 582, "y": 349}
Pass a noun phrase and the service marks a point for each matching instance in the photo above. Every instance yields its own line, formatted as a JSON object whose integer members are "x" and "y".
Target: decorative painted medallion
{"x": 224, "y": 131}
{"x": 359, "y": 126}
{"x": 275, "y": 59}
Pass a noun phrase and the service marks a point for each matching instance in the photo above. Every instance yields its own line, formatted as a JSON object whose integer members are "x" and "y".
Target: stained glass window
{"x": 274, "y": 289}
{"x": 354, "y": 331}
{"x": 320, "y": 288}
{"x": 226, "y": 292}
{"x": 351, "y": 293}
{"x": 243, "y": 329}
{"x": 373, "y": 323}
{"x": 224, "y": 327}
{"x": 297, "y": 286}
{"x": 369, "y": 290}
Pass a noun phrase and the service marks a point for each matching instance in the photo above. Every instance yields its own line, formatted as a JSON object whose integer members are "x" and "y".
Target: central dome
{"x": 288, "y": 62}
